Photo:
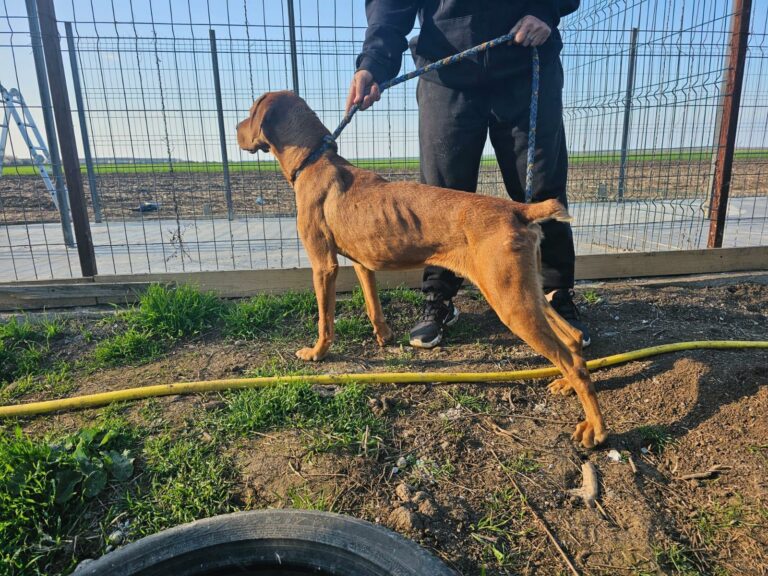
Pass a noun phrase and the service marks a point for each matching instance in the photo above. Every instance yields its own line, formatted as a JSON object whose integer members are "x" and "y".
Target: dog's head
{"x": 278, "y": 119}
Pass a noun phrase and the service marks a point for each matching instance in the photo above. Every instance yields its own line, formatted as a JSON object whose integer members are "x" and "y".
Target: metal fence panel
{"x": 149, "y": 105}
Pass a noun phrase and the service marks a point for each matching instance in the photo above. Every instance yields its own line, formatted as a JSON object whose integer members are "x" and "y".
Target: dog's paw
{"x": 587, "y": 435}
{"x": 384, "y": 335}
{"x": 309, "y": 354}
{"x": 561, "y": 386}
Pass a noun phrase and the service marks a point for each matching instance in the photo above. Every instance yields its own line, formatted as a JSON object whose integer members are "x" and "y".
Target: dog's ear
{"x": 274, "y": 112}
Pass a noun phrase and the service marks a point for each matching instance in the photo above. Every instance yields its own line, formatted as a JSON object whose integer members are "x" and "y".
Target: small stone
{"x": 402, "y": 462}
{"x": 614, "y": 455}
{"x": 116, "y": 537}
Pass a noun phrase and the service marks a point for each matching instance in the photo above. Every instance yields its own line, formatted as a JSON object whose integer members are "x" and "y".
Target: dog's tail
{"x": 543, "y": 211}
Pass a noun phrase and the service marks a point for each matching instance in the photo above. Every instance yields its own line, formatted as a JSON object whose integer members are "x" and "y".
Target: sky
{"x": 147, "y": 76}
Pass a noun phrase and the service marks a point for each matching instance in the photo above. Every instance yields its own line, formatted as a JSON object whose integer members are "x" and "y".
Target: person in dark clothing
{"x": 461, "y": 104}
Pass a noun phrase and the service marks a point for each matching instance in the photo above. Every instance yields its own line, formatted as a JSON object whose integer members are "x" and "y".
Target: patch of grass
{"x": 175, "y": 313}
{"x": 187, "y": 480}
{"x": 524, "y": 464}
{"x": 341, "y": 421}
{"x": 428, "y": 471}
{"x": 131, "y": 346}
{"x": 677, "y": 558}
{"x": 591, "y": 297}
{"x": 303, "y": 499}
{"x": 268, "y": 314}
{"x": 23, "y": 345}
{"x": 657, "y": 438}
{"x": 472, "y": 402}
{"x": 280, "y": 367}
{"x": 352, "y": 328}
{"x": 55, "y": 383}
{"x": 46, "y": 489}
{"x": 163, "y": 316}
{"x": 718, "y": 518}
{"x": 405, "y": 295}
{"x": 498, "y": 531}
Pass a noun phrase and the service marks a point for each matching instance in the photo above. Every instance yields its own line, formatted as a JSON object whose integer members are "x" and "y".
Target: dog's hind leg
{"x": 372, "y": 304}
{"x": 514, "y": 292}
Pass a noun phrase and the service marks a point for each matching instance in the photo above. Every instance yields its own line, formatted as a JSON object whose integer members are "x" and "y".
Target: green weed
{"x": 499, "y": 531}
{"x": 352, "y": 328}
{"x": 131, "y": 346}
{"x": 591, "y": 297}
{"x": 163, "y": 316}
{"x": 473, "y": 403}
{"x": 54, "y": 383}
{"x": 270, "y": 314}
{"x": 405, "y": 295}
{"x": 657, "y": 438}
{"x": 175, "y": 313}
{"x": 524, "y": 464}
{"x": 341, "y": 421}
{"x": 46, "y": 489}
{"x": 23, "y": 345}
{"x": 187, "y": 480}
{"x": 677, "y": 558}
{"x": 303, "y": 499}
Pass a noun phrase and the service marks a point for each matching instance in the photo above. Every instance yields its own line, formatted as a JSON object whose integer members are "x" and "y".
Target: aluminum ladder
{"x": 38, "y": 151}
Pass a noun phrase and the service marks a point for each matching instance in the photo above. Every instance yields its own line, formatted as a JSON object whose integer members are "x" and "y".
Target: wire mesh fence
{"x": 642, "y": 105}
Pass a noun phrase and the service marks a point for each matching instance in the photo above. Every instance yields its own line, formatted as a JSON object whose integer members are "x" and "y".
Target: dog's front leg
{"x": 324, "y": 280}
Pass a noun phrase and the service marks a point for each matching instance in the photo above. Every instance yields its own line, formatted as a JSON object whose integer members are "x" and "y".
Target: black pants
{"x": 453, "y": 125}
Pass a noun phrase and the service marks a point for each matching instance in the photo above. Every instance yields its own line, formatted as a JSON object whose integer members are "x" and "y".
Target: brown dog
{"x": 382, "y": 225}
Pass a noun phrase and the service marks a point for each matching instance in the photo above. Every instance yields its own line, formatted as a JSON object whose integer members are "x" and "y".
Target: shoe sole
{"x": 439, "y": 338}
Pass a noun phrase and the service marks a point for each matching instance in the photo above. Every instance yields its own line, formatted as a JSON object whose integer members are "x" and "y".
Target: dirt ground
{"x": 451, "y": 471}
{"x": 201, "y": 194}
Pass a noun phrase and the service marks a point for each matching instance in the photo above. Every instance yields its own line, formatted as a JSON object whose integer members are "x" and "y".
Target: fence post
{"x": 50, "y": 127}
{"x": 627, "y": 112}
{"x": 294, "y": 54}
{"x": 66, "y": 132}
{"x": 95, "y": 200}
{"x": 726, "y": 144}
{"x": 220, "y": 111}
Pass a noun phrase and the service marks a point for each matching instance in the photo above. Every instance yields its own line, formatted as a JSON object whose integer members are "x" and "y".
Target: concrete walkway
{"x": 36, "y": 251}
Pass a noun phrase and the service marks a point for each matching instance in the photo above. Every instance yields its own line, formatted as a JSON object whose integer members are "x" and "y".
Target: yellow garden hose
{"x": 91, "y": 400}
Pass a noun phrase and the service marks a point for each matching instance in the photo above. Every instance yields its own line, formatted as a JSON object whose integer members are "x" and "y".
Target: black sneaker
{"x": 437, "y": 314}
{"x": 562, "y": 301}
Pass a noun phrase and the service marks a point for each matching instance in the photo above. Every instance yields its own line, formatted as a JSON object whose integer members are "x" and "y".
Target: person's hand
{"x": 530, "y": 31}
{"x": 363, "y": 91}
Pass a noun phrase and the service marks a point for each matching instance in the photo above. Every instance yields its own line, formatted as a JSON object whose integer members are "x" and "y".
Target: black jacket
{"x": 450, "y": 26}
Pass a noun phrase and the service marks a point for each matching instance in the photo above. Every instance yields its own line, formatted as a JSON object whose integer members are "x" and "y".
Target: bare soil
{"x": 202, "y": 194}
{"x": 467, "y": 446}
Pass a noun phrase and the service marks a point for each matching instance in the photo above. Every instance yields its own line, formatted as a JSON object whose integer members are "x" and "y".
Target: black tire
{"x": 271, "y": 543}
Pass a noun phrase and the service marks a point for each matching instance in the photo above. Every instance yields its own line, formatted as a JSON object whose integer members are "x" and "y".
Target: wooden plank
{"x": 241, "y": 283}
{"x": 676, "y": 263}
{"x": 66, "y": 295}
{"x": 119, "y": 289}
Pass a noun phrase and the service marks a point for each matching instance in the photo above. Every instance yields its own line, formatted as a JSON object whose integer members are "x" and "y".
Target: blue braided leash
{"x": 330, "y": 139}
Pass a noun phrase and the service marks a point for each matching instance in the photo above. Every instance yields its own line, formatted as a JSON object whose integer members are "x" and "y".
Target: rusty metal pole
{"x": 734, "y": 79}
{"x": 66, "y": 131}
{"x": 294, "y": 51}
